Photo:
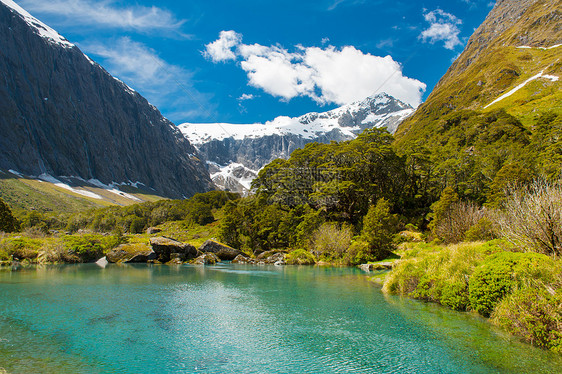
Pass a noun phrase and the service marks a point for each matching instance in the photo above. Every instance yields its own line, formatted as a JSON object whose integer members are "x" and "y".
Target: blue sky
{"x": 246, "y": 61}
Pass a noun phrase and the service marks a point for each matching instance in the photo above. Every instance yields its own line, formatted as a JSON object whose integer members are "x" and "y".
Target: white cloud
{"x": 327, "y": 75}
{"x": 245, "y": 97}
{"x": 161, "y": 83}
{"x": 221, "y": 49}
{"x": 336, "y": 3}
{"x": 443, "y": 27}
{"x": 277, "y": 72}
{"x": 106, "y": 13}
{"x": 347, "y": 75}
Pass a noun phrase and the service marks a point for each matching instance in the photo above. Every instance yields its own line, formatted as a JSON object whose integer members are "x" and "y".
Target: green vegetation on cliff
{"x": 477, "y": 148}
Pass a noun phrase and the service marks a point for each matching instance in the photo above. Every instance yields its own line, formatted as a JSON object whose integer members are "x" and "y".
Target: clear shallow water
{"x": 238, "y": 319}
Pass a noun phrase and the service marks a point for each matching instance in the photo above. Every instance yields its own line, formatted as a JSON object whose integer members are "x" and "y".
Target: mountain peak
{"x": 235, "y": 152}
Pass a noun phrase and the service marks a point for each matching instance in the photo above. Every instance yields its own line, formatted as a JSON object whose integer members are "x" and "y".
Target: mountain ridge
{"x": 235, "y": 152}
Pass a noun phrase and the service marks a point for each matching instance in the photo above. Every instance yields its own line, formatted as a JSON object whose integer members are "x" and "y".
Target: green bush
{"x": 498, "y": 275}
{"x": 89, "y": 247}
{"x": 377, "y": 231}
{"x": 454, "y": 293}
{"x": 533, "y": 313}
{"x": 438, "y": 273}
{"x": 300, "y": 257}
{"x": 359, "y": 253}
{"x": 137, "y": 225}
{"x": 331, "y": 241}
{"x": 483, "y": 230}
{"x": 20, "y": 248}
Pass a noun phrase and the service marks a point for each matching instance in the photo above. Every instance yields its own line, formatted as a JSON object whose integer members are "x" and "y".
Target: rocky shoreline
{"x": 165, "y": 250}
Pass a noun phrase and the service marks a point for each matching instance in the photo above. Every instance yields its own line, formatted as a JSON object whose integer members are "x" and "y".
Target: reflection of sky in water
{"x": 238, "y": 318}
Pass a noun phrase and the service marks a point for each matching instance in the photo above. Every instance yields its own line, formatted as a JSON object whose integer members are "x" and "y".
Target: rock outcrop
{"x": 167, "y": 249}
{"x": 271, "y": 257}
{"x": 127, "y": 253}
{"x": 222, "y": 251}
{"x": 206, "y": 259}
{"x": 243, "y": 259}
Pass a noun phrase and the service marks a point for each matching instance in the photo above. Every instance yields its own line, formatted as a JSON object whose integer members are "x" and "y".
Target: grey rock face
{"x": 243, "y": 259}
{"x": 121, "y": 254}
{"x": 255, "y": 153}
{"x": 63, "y": 115}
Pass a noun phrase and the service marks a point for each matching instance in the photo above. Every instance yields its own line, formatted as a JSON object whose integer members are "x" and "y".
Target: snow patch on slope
{"x": 111, "y": 188}
{"x": 40, "y": 28}
{"x": 543, "y": 48}
{"x": 232, "y": 177}
{"x": 553, "y": 78}
{"x": 48, "y": 178}
{"x": 16, "y": 173}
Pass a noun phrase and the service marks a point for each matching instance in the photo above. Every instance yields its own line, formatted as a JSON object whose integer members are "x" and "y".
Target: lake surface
{"x": 238, "y": 319}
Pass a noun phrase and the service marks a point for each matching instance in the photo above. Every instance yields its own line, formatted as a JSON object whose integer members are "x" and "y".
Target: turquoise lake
{"x": 239, "y": 319}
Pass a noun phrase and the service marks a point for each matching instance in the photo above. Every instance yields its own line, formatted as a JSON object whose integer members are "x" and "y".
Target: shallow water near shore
{"x": 239, "y": 319}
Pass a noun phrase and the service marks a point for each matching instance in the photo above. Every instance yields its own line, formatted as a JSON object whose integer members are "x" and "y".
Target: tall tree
{"x": 8, "y": 223}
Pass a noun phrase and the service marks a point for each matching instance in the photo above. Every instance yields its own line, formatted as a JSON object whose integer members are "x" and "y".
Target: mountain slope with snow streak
{"x": 62, "y": 114}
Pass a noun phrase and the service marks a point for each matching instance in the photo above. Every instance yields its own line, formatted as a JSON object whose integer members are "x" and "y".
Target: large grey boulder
{"x": 271, "y": 257}
{"x": 223, "y": 251}
{"x": 129, "y": 253}
{"x": 206, "y": 259}
{"x": 377, "y": 266}
{"x": 164, "y": 247}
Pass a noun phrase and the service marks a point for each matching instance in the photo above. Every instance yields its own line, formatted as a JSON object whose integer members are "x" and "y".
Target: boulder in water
{"x": 223, "y": 251}
{"x": 206, "y": 259}
{"x": 163, "y": 247}
{"x": 243, "y": 259}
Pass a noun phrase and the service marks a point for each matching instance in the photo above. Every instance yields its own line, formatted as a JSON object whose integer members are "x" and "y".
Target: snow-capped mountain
{"x": 235, "y": 152}
{"x": 62, "y": 114}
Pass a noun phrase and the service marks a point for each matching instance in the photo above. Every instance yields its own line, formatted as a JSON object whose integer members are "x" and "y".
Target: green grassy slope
{"x": 470, "y": 141}
{"x": 22, "y": 193}
{"x": 491, "y": 65}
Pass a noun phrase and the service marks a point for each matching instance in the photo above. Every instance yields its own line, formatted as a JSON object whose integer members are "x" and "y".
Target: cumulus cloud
{"x": 327, "y": 75}
{"x": 221, "y": 49}
{"x": 443, "y": 27}
{"x": 161, "y": 83}
{"x": 107, "y": 13}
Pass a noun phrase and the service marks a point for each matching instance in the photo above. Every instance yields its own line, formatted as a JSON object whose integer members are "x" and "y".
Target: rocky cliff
{"x": 61, "y": 114}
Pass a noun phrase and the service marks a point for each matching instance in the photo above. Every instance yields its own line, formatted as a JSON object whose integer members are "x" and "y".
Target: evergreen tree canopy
{"x": 8, "y": 223}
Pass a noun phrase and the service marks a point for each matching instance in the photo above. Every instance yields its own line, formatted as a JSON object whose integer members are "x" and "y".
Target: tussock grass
{"x": 520, "y": 291}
